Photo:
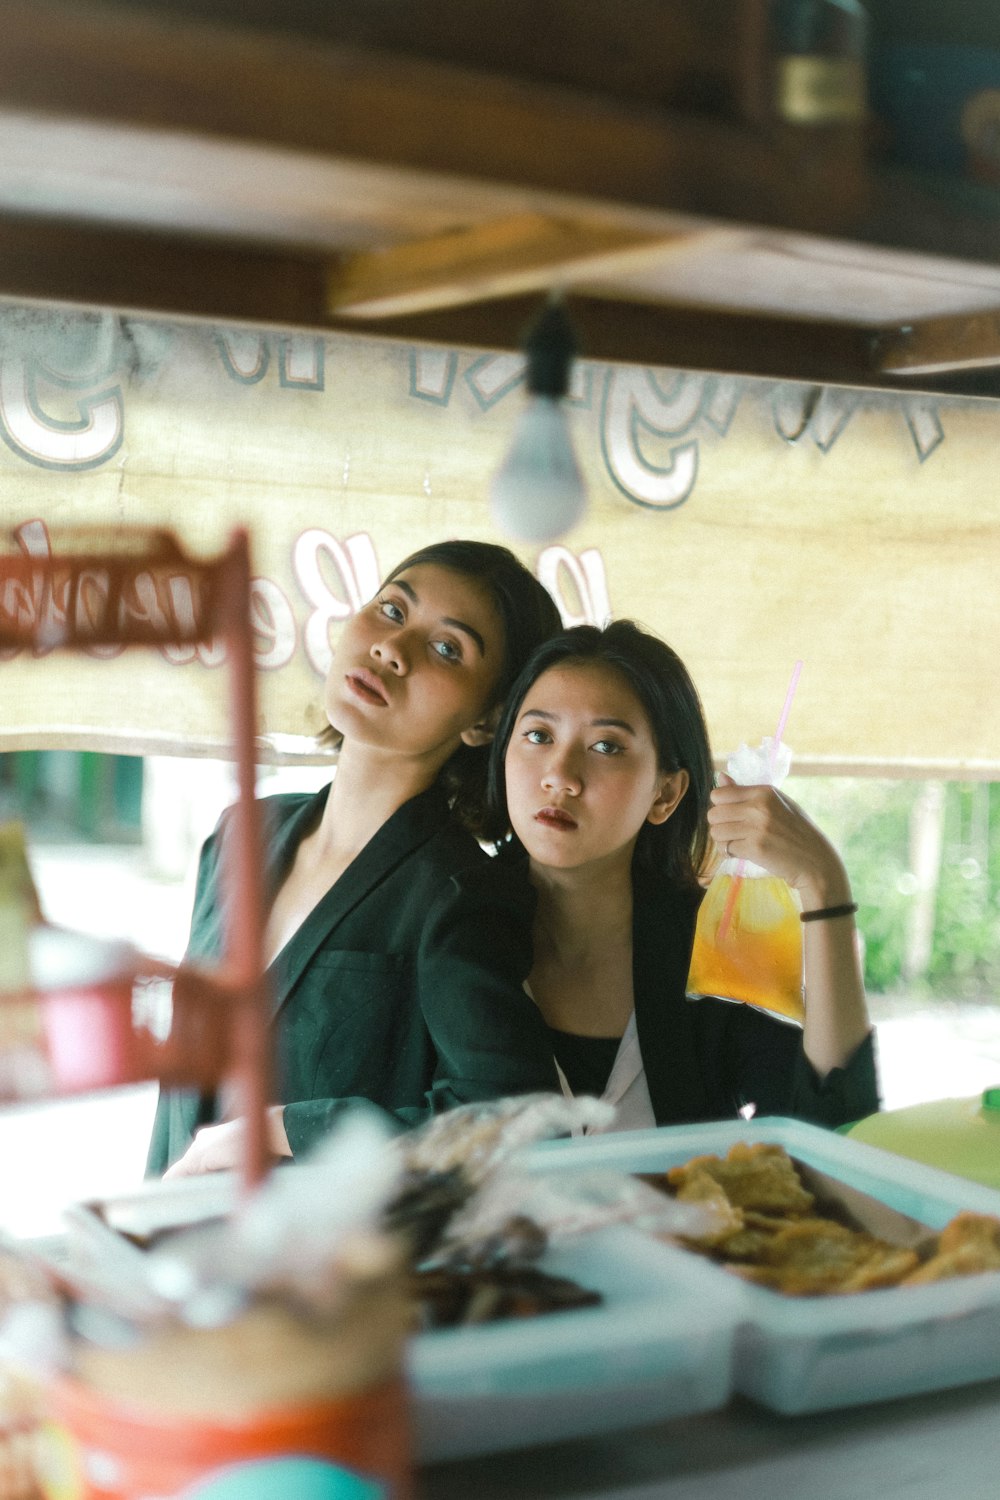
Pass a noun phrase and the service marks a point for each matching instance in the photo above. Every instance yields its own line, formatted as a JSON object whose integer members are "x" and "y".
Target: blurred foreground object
{"x": 97, "y": 591}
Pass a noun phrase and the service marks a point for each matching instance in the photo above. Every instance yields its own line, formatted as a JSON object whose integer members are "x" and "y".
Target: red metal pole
{"x": 244, "y": 878}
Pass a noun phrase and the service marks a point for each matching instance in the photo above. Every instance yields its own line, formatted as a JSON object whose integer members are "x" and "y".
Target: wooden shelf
{"x": 258, "y": 163}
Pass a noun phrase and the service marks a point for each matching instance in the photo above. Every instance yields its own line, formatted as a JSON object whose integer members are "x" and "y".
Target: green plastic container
{"x": 958, "y": 1135}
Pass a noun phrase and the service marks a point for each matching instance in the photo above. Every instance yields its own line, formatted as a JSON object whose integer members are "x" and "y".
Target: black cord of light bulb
{"x": 538, "y": 492}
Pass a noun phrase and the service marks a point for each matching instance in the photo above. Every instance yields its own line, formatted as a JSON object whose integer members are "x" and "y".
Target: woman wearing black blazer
{"x": 601, "y": 766}
{"x": 395, "y": 975}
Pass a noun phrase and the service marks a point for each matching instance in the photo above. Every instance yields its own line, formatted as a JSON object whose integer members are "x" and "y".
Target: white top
{"x": 626, "y": 1087}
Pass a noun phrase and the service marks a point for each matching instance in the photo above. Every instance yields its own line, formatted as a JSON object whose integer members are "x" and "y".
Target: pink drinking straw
{"x": 734, "y": 889}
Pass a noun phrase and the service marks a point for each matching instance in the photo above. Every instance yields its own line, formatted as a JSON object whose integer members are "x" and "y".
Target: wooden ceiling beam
{"x": 153, "y": 275}
{"x": 87, "y": 265}
{"x": 141, "y": 68}
{"x": 657, "y": 335}
{"x": 523, "y": 253}
{"x": 963, "y": 341}
{"x": 700, "y": 53}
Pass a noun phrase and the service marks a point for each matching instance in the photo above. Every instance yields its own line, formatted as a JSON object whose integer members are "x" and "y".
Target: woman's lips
{"x": 555, "y": 817}
{"x": 366, "y": 686}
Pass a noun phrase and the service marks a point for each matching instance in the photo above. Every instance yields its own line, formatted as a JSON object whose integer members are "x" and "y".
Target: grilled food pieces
{"x": 769, "y": 1230}
{"x": 966, "y": 1246}
{"x": 758, "y": 1177}
{"x": 817, "y": 1256}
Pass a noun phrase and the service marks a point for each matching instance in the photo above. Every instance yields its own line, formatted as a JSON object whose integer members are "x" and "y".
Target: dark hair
{"x": 528, "y": 615}
{"x": 663, "y": 686}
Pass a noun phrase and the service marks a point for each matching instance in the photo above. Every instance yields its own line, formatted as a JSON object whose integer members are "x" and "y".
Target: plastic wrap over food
{"x": 310, "y": 1230}
{"x": 561, "y": 1207}
{"x": 478, "y": 1138}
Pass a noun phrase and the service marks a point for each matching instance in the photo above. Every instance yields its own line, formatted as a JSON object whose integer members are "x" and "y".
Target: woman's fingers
{"x": 764, "y": 826}
{"x": 215, "y": 1148}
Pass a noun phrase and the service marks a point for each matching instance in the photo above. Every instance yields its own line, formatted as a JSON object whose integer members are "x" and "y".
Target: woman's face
{"x": 414, "y": 671}
{"x": 582, "y": 771}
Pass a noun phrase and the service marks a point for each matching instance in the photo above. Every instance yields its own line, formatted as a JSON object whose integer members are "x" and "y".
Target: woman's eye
{"x": 448, "y": 650}
{"x": 391, "y": 610}
{"x": 607, "y": 747}
{"x": 537, "y": 736}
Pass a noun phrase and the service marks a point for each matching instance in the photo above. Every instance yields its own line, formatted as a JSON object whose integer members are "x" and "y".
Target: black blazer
{"x": 707, "y": 1059}
{"x": 402, "y": 987}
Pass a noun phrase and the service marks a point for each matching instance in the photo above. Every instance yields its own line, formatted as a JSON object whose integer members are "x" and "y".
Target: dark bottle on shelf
{"x": 819, "y": 51}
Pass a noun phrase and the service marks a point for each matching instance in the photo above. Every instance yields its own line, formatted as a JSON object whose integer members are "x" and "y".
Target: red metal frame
{"x": 99, "y": 596}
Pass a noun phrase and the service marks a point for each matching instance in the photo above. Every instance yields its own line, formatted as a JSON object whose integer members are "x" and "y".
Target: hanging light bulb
{"x": 538, "y": 491}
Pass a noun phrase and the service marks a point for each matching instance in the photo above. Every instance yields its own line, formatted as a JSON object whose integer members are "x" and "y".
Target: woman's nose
{"x": 562, "y": 774}
{"x": 392, "y": 652}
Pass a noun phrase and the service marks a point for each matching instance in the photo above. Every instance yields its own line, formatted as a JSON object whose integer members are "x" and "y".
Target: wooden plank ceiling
{"x": 420, "y": 170}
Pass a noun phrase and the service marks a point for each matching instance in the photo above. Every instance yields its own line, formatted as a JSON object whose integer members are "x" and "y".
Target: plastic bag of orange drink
{"x": 748, "y": 940}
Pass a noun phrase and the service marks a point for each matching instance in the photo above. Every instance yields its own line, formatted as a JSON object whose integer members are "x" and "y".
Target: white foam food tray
{"x": 660, "y": 1345}
{"x": 805, "y": 1354}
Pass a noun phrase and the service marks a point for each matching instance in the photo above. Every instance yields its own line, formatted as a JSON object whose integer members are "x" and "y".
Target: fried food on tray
{"x": 726, "y": 1221}
{"x": 770, "y": 1232}
{"x": 758, "y": 1177}
{"x": 751, "y": 1239}
{"x": 817, "y": 1256}
{"x": 966, "y": 1246}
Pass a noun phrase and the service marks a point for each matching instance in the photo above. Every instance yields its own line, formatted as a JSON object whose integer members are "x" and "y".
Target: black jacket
{"x": 707, "y": 1059}
{"x": 401, "y": 987}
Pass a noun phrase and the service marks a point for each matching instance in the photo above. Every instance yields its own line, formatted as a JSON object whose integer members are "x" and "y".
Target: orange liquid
{"x": 760, "y": 958}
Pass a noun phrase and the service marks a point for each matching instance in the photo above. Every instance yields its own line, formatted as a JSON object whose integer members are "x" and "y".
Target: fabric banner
{"x": 751, "y": 524}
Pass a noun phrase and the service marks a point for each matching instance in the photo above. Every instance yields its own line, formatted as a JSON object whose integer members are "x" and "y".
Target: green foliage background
{"x": 869, "y": 820}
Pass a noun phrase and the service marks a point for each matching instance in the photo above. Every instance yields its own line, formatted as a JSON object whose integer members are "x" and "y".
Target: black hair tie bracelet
{"x": 823, "y": 913}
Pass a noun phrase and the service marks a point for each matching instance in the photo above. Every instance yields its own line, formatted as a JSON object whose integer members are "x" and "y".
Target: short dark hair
{"x": 528, "y": 615}
{"x": 663, "y": 686}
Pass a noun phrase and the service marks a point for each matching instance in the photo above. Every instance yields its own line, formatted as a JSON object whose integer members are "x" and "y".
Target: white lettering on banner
{"x": 168, "y": 601}
{"x": 245, "y": 356}
{"x": 43, "y": 607}
{"x": 792, "y": 407}
{"x": 491, "y": 377}
{"x": 357, "y": 573}
{"x": 633, "y": 401}
{"x": 182, "y": 606}
{"x": 722, "y": 397}
{"x": 432, "y": 374}
{"x": 924, "y": 422}
{"x": 833, "y": 412}
{"x": 91, "y": 602}
{"x": 47, "y": 441}
{"x": 302, "y": 361}
{"x": 588, "y": 601}
{"x": 823, "y": 413}
{"x": 39, "y": 609}
{"x": 273, "y": 621}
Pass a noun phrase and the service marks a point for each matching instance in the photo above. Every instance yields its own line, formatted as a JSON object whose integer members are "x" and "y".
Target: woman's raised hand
{"x": 765, "y": 826}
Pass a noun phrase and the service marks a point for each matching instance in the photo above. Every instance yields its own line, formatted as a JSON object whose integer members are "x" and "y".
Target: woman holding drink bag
{"x": 602, "y": 770}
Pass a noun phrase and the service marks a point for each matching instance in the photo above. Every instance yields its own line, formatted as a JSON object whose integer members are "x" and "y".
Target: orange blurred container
{"x": 354, "y": 1446}
{"x": 758, "y": 957}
